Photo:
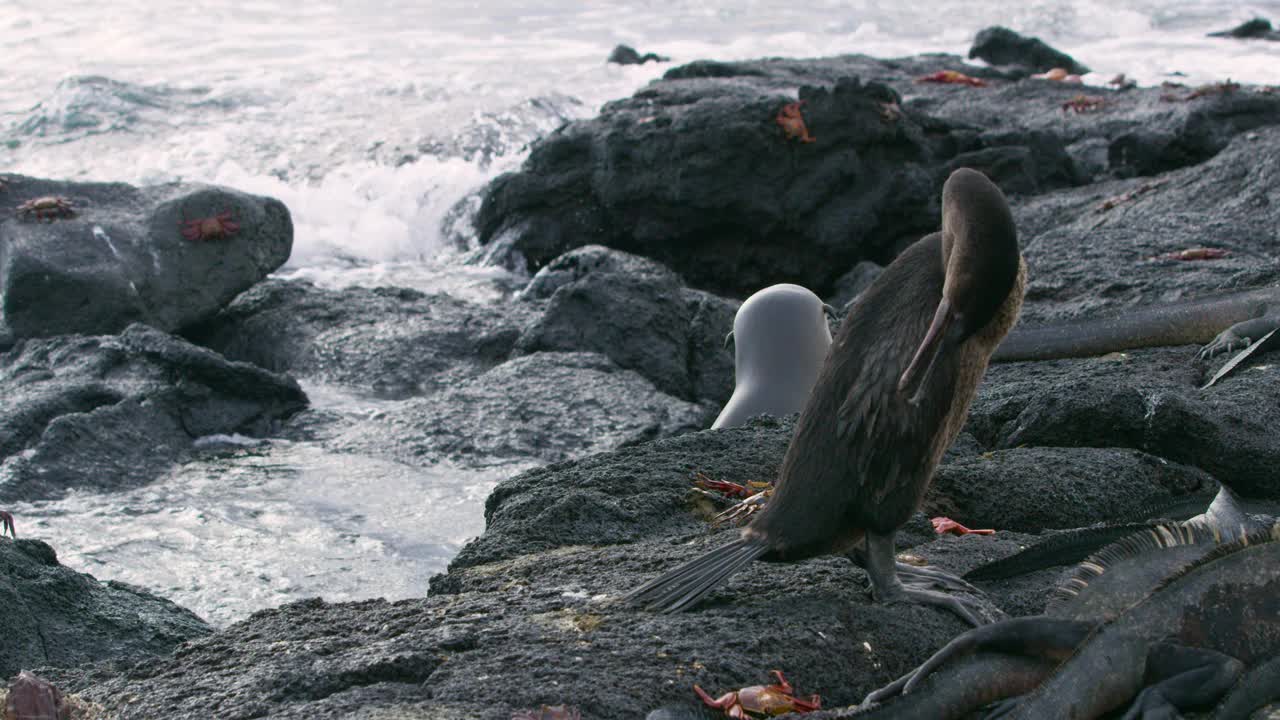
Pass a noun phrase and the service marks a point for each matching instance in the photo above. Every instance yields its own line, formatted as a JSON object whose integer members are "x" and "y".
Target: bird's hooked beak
{"x": 943, "y": 335}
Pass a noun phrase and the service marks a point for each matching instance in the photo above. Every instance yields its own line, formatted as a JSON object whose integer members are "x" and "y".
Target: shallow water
{"x": 377, "y": 123}
{"x": 257, "y": 523}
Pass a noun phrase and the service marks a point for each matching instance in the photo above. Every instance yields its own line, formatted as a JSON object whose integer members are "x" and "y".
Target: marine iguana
{"x": 1225, "y": 322}
{"x": 1225, "y": 509}
{"x": 1166, "y": 619}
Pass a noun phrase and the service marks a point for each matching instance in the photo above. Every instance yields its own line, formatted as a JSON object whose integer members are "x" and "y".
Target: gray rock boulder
{"x": 639, "y": 314}
{"x": 549, "y": 405}
{"x": 395, "y": 342}
{"x": 1148, "y": 400}
{"x": 121, "y": 256}
{"x": 113, "y": 412}
{"x": 51, "y": 615}
{"x": 1002, "y": 46}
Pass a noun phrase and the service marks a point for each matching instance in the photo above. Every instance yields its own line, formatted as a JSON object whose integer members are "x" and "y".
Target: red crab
{"x": 215, "y": 227}
{"x": 943, "y": 525}
{"x": 761, "y": 700}
{"x": 792, "y": 122}
{"x": 729, "y": 489}
{"x": 952, "y": 77}
{"x": 48, "y": 207}
{"x": 6, "y": 525}
{"x": 33, "y": 698}
{"x": 549, "y": 712}
{"x": 754, "y": 496}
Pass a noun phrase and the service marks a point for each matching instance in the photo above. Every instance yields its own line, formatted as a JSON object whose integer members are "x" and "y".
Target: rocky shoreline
{"x": 642, "y": 229}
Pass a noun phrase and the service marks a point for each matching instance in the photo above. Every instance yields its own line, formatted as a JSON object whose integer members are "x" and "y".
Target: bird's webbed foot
{"x": 6, "y": 524}
{"x": 970, "y": 609}
{"x": 926, "y": 576}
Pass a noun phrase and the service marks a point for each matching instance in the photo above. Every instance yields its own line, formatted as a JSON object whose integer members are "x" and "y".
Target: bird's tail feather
{"x": 686, "y": 585}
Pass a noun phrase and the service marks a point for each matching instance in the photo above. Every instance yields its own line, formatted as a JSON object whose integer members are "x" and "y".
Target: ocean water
{"x": 378, "y": 122}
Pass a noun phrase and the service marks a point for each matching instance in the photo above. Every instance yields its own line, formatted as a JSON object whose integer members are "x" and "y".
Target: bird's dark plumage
{"x": 891, "y": 397}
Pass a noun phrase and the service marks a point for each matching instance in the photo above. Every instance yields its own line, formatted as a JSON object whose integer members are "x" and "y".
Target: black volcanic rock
{"x": 627, "y": 55}
{"x": 1257, "y": 28}
{"x": 51, "y": 615}
{"x": 123, "y": 258}
{"x": 113, "y": 412}
{"x": 1002, "y": 46}
{"x": 638, "y": 313}
{"x": 694, "y": 172}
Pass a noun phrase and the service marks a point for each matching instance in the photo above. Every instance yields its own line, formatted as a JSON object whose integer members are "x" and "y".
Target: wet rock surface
{"x": 392, "y": 342}
{"x": 547, "y": 406}
{"x": 114, "y": 412}
{"x": 108, "y": 254}
{"x": 52, "y": 615}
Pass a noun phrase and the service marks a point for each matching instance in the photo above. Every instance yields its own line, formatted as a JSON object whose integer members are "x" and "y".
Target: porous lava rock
{"x": 51, "y": 615}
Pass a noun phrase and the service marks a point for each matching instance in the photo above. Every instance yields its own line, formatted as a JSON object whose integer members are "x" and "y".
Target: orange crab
{"x": 761, "y": 700}
{"x": 1084, "y": 103}
{"x": 792, "y": 123}
{"x": 215, "y": 227}
{"x": 48, "y": 207}
{"x": 952, "y": 77}
{"x": 1061, "y": 75}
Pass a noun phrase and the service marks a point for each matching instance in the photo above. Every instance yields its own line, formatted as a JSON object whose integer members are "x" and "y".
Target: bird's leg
{"x": 916, "y": 575}
{"x": 887, "y": 587}
{"x": 6, "y": 524}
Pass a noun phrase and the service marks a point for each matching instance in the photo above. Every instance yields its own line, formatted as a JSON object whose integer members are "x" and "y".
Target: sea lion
{"x": 891, "y": 397}
{"x": 780, "y": 340}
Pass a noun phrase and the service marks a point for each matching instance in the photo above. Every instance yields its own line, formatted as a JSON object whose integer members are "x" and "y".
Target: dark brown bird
{"x": 891, "y": 397}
